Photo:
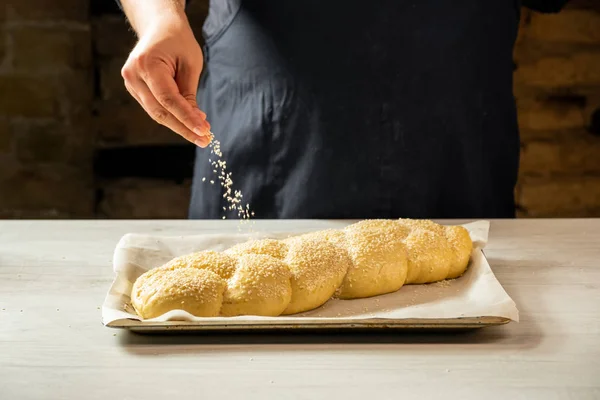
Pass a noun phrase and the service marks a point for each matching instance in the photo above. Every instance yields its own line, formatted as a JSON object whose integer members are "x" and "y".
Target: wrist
{"x": 150, "y": 15}
{"x": 165, "y": 22}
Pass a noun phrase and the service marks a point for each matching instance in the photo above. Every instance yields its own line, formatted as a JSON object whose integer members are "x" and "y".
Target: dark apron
{"x": 354, "y": 109}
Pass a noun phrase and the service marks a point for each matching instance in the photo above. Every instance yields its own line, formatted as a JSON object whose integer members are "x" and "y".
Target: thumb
{"x": 187, "y": 81}
{"x": 187, "y": 78}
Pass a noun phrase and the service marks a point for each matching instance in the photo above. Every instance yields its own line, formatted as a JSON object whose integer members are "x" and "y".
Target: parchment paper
{"x": 475, "y": 294}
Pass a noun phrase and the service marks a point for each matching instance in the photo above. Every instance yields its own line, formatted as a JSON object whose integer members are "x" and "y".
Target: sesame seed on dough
{"x": 274, "y": 277}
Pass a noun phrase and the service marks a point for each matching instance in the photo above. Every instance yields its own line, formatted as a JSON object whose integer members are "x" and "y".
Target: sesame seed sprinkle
{"x": 232, "y": 196}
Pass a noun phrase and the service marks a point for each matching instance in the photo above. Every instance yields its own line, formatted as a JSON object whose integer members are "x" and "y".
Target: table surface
{"x": 54, "y": 276}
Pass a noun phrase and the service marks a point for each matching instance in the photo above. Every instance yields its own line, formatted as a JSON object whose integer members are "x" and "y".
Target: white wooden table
{"x": 54, "y": 275}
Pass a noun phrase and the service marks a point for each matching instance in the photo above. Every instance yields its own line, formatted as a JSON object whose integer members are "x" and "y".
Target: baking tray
{"x": 475, "y": 300}
{"x": 313, "y": 325}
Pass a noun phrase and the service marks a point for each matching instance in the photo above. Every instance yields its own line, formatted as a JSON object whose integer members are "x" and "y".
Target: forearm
{"x": 144, "y": 14}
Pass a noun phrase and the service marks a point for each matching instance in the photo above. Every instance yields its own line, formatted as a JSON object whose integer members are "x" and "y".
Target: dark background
{"x": 73, "y": 144}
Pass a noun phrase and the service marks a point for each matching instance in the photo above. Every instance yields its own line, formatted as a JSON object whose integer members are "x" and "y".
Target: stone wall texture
{"x": 73, "y": 144}
{"x": 557, "y": 86}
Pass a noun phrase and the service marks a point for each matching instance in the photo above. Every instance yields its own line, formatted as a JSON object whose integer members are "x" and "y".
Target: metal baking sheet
{"x": 366, "y": 324}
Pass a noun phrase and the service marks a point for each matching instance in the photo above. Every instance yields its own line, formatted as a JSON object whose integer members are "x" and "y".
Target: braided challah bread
{"x": 271, "y": 277}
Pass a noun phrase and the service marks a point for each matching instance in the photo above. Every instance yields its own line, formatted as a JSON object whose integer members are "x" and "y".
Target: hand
{"x": 162, "y": 74}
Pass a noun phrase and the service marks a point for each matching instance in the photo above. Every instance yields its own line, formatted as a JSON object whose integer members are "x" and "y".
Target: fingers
{"x": 165, "y": 90}
{"x": 141, "y": 92}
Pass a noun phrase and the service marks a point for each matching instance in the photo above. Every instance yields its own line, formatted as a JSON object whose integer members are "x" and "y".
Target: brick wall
{"x": 73, "y": 144}
{"x": 46, "y": 93}
{"x": 557, "y": 86}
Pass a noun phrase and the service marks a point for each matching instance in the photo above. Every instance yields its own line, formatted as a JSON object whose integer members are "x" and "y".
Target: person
{"x": 339, "y": 109}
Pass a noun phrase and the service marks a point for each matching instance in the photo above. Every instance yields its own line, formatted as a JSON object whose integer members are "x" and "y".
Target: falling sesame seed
{"x": 224, "y": 177}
